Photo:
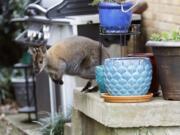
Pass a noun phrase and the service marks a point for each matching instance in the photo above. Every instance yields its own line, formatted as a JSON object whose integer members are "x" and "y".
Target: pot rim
{"x": 127, "y": 58}
{"x": 114, "y": 5}
{"x": 163, "y": 43}
{"x": 141, "y": 54}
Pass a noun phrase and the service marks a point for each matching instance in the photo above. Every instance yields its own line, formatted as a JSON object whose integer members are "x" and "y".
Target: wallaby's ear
{"x": 43, "y": 65}
{"x": 43, "y": 48}
{"x": 42, "y": 68}
{"x": 30, "y": 50}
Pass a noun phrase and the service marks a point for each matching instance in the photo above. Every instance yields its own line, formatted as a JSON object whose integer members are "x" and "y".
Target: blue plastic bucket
{"x": 115, "y": 17}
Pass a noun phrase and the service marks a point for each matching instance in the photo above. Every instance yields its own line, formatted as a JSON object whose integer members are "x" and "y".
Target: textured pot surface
{"x": 154, "y": 88}
{"x": 100, "y": 78}
{"x": 127, "y": 76}
{"x": 168, "y": 61}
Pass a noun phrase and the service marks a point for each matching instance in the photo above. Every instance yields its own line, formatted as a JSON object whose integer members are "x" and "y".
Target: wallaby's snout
{"x": 36, "y": 71}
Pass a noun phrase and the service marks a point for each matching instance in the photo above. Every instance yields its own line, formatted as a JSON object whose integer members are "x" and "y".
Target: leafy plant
{"x": 166, "y": 36}
{"x": 53, "y": 126}
{"x": 5, "y": 84}
{"x": 10, "y": 52}
{"x": 96, "y": 2}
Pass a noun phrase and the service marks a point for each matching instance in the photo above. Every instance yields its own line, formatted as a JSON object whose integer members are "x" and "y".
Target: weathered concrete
{"x": 92, "y": 127}
{"x": 67, "y": 129}
{"x": 14, "y": 125}
{"x": 76, "y": 122}
{"x": 7, "y": 128}
{"x": 158, "y": 112}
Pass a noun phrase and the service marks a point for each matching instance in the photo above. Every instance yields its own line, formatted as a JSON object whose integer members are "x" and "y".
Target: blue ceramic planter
{"x": 127, "y": 76}
{"x": 100, "y": 78}
{"x": 113, "y": 19}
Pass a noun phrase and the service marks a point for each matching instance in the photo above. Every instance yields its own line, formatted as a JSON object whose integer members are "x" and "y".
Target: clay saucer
{"x": 127, "y": 99}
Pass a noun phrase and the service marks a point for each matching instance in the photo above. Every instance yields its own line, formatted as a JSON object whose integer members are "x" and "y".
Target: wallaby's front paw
{"x": 94, "y": 89}
{"x": 89, "y": 84}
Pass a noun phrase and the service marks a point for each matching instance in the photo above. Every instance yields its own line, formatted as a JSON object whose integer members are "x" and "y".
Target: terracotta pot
{"x": 154, "y": 88}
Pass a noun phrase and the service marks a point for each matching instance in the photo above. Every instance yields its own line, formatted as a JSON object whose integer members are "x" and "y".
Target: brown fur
{"x": 74, "y": 56}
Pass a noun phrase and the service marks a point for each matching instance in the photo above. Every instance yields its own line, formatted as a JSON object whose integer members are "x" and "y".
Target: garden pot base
{"x": 171, "y": 95}
{"x": 127, "y": 99}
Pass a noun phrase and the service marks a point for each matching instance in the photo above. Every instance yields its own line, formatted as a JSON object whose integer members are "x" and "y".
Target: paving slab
{"x": 15, "y": 125}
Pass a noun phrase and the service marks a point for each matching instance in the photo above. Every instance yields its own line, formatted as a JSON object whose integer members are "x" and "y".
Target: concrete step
{"x": 16, "y": 125}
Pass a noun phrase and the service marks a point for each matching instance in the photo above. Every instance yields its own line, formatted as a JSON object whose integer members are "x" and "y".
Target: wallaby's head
{"x": 55, "y": 69}
{"x": 39, "y": 58}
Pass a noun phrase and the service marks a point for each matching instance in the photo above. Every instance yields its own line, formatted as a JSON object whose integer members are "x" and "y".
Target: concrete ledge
{"x": 67, "y": 129}
{"x": 157, "y": 112}
{"x": 88, "y": 126}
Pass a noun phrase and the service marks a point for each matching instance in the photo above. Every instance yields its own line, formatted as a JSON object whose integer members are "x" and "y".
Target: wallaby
{"x": 75, "y": 55}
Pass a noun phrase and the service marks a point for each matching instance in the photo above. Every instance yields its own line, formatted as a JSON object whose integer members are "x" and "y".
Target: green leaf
{"x": 166, "y": 36}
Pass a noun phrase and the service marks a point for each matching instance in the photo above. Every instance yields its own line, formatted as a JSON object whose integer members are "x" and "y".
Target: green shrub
{"x": 10, "y": 52}
{"x": 53, "y": 126}
{"x": 5, "y": 84}
{"x": 166, "y": 36}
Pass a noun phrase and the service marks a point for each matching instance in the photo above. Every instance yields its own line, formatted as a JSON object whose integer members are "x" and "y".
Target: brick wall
{"x": 161, "y": 15}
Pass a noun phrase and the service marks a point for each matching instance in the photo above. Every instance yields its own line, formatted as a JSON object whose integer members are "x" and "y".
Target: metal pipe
{"x": 36, "y": 7}
{"x": 52, "y": 99}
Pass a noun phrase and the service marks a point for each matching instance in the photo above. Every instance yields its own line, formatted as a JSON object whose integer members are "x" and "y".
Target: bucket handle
{"x": 125, "y": 11}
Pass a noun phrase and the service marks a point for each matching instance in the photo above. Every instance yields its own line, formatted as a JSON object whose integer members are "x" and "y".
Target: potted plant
{"x": 166, "y": 48}
{"x": 115, "y": 16}
{"x": 127, "y": 76}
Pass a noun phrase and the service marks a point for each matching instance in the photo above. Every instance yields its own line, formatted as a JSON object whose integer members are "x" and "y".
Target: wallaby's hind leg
{"x": 89, "y": 84}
